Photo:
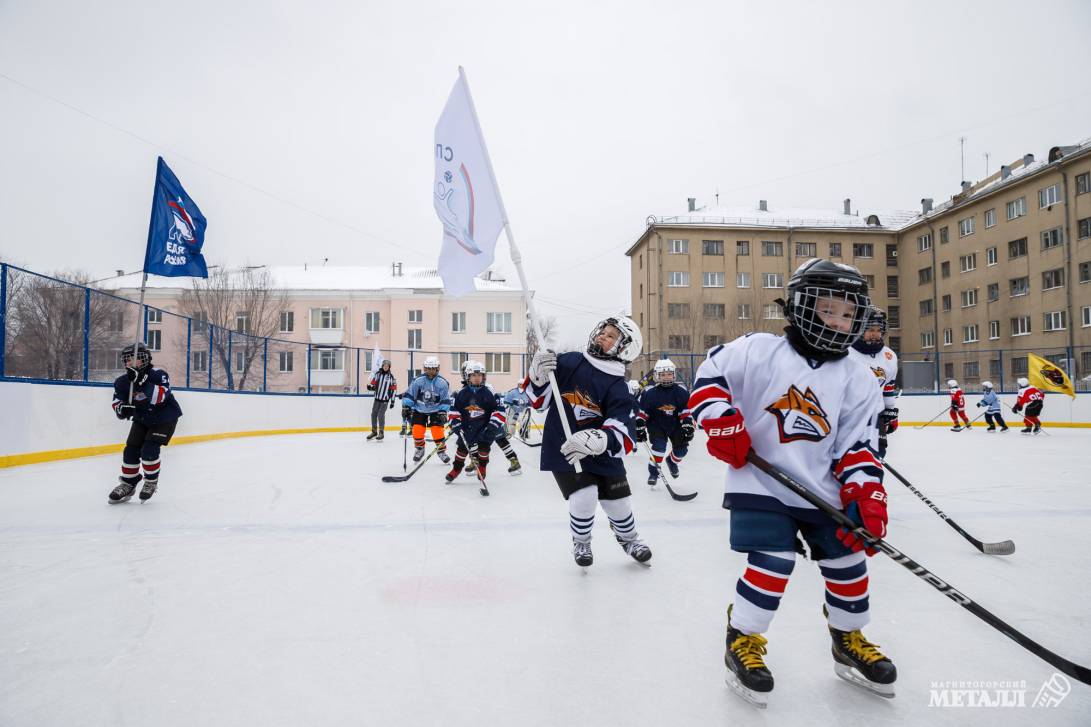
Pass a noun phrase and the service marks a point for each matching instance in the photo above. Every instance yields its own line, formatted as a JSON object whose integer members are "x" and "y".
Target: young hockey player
{"x": 810, "y": 411}
{"x": 426, "y": 402}
{"x": 475, "y": 420}
{"x": 385, "y": 387}
{"x": 872, "y": 351}
{"x": 1033, "y": 399}
{"x": 662, "y": 415}
{"x": 992, "y": 412}
{"x": 599, "y": 410}
{"x": 515, "y": 402}
{"x": 514, "y": 467}
{"x": 958, "y": 406}
{"x": 143, "y": 394}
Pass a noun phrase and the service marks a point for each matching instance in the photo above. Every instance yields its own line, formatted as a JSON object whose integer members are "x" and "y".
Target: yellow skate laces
{"x": 855, "y": 643}
{"x": 750, "y": 648}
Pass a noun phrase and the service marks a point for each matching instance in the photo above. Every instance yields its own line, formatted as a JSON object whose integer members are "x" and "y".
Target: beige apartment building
{"x": 970, "y": 285}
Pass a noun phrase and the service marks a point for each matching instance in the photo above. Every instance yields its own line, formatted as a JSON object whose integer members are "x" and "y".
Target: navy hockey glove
{"x": 728, "y": 439}
{"x": 124, "y": 411}
{"x": 641, "y": 428}
{"x": 888, "y": 420}
{"x": 688, "y": 430}
{"x": 139, "y": 377}
{"x": 864, "y": 504}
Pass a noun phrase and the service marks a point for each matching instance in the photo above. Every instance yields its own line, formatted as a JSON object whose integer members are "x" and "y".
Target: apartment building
{"x": 969, "y": 285}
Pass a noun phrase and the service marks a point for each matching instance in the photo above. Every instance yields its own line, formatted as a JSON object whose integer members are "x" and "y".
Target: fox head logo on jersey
{"x": 667, "y": 409}
{"x": 879, "y": 371}
{"x": 800, "y": 416}
{"x": 583, "y": 408}
{"x": 473, "y": 411}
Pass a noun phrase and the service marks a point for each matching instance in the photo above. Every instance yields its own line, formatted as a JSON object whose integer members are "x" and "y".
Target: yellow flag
{"x": 1048, "y": 376}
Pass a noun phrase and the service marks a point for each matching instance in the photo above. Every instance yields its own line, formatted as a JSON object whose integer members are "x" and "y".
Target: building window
{"x": 371, "y": 322}
{"x": 870, "y": 280}
{"x": 115, "y": 321}
{"x": 642, "y": 290}
{"x": 944, "y": 236}
{"x": 928, "y": 339}
{"x": 155, "y": 340}
{"x": 924, "y": 275}
{"x": 742, "y": 247}
{"x": 895, "y": 343}
{"x": 1019, "y": 286}
{"x": 1020, "y": 325}
{"x": 677, "y": 279}
{"x": 1018, "y": 365}
{"x": 990, "y": 256}
{"x": 155, "y": 315}
{"x": 994, "y": 330}
{"x": 993, "y": 292}
{"x": 711, "y": 342}
{"x": 835, "y": 249}
{"x": 458, "y": 322}
{"x": 1055, "y": 320}
{"x": 946, "y": 303}
{"x": 679, "y": 247}
{"x": 640, "y": 261}
{"x": 414, "y": 339}
{"x": 242, "y": 322}
{"x": 498, "y": 323}
{"x": 742, "y": 280}
{"x": 966, "y": 263}
{"x": 1083, "y": 228}
{"x": 744, "y": 311}
{"x": 969, "y": 298}
{"x": 240, "y": 362}
{"x": 924, "y": 242}
{"x": 892, "y": 256}
{"x": 328, "y": 359}
{"x": 1052, "y": 238}
{"x": 894, "y": 316}
{"x": 1017, "y": 208}
{"x": 678, "y": 343}
{"x": 714, "y": 310}
{"x": 678, "y": 311}
{"x": 1085, "y": 272}
{"x": 863, "y": 249}
{"x": 990, "y": 218}
{"x": 948, "y": 336}
{"x": 1083, "y": 183}
{"x": 948, "y": 371}
{"x": 1053, "y": 279}
{"x": 286, "y": 361}
{"x": 200, "y": 322}
{"x": 927, "y": 307}
{"x": 945, "y": 269}
{"x": 966, "y": 226}
{"x": 807, "y": 249}
{"x": 772, "y": 248}
{"x": 772, "y": 280}
{"x": 969, "y": 333}
{"x": 713, "y": 280}
{"x": 325, "y": 318}
{"x": 1017, "y": 248}
{"x": 1085, "y": 312}
{"x": 1049, "y": 196}
{"x": 458, "y": 358}
{"x": 970, "y": 369}
{"x": 498, "y": 363}
{"x": 772, "y": 312}
{"x": 892, "y": 286}
{"x": 287, "y": 321}
{"x": 416, "y": 316}
{"x": 199, "y": 361}
{"x": 712, "y": 247}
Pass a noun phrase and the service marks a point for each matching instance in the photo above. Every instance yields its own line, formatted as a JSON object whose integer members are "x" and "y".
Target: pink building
{"x": 336, "y": 317}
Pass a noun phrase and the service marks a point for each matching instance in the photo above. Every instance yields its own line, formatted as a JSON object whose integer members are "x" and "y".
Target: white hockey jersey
{"x": 884, "y": 364}
{"x": 815, "y": 422}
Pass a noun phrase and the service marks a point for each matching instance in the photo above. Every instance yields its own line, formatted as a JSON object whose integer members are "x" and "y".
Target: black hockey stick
{"x": 673, "y": 494}
{"x": 471, "y": 452}
{"x": 524, "y": 429}
{"x": 937, "y": 416}
{"x": 1006, "y": 547}
{"x": 410, "y": 473}
{"x": 1063, "y": 665}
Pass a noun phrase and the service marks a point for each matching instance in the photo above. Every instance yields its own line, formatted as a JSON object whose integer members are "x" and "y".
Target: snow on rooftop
{"x": 733, "y": 216}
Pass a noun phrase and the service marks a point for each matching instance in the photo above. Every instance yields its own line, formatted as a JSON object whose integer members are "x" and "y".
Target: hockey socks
{"x": 760, "y": 589}
{"x": 846, "y": 591}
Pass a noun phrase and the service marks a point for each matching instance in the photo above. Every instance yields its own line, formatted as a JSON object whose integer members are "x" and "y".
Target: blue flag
{"x": 177, "y": 230}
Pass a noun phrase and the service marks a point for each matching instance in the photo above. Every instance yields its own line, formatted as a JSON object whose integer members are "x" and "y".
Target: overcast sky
{"x": 304, "y": 130}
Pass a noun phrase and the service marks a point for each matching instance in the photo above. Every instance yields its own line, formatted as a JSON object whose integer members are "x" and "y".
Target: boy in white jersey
{"x": 871, "y": 351}
{"x": 811, "y": 412}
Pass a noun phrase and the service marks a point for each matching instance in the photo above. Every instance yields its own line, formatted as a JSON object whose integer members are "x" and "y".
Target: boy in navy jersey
{"x": 663, "y": 415}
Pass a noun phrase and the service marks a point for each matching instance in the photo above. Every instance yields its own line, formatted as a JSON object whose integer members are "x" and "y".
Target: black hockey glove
{"x": 641, "y": 430}
{"x": 139, "y": 377}
{"x": 1017, "y": 408}
{"x": 687, "y": 431}
{"x": 391, "y": 404}
{"x": 888, "y": 420}
{"x": 124, "y": 411}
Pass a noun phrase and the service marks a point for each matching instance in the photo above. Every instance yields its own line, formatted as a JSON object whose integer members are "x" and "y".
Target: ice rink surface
{"x": 276, "y": 581}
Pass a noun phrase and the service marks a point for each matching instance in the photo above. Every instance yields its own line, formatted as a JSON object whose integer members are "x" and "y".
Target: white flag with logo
{"x": 376, "y": 360}
{"x": 464, "y": 194}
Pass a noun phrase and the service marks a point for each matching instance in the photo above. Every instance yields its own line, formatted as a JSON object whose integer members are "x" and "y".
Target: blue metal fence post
{"x": 86, "y": 329}
{"x": 308, "y": 368}
{"x": 3, "y": 313}
{"x": 1000, "y": 353}
{"x": 211, "y": 358}
{"x": 189, "y": 347}
{"x": 938, "y": 377}
{"x": 227, "y": 371}
{"x": 265, "y": 365}
{"x": 358, "y": 371}
{"x": 409, "y": 374}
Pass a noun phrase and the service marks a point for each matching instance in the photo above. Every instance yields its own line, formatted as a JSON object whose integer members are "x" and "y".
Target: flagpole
{"x": 516, "y": 258}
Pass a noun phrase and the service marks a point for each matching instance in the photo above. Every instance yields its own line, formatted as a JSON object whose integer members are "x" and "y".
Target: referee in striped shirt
{"x": 385, "y": 387}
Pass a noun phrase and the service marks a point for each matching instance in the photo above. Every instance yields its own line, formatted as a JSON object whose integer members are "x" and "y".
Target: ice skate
{"x": 515, "y": 468}
{"x": 747, "y": 674}
{"x": 653, "y": 480}
{"x": 470, "y": 467}
{"x": 859, "y": 662}
{"x": 1003, "y": 429}
{"x": 633, "y": 547}
{"x": 443, "y": 456}
{"x": 453, "y": 474}
{"x": 673, "y": 467}
{"x": 123, "y": 492}
{"x": 381, "y": 436}
{"x": 991, "y": 429}
{"x": 373, "y": 435}
{"x": 418, "y": 453}
{"x": 1027, "y": 430}
{"x": 968, "y": 425}
{"x": 148, "y": 489}
{"x": 1037, "y": 428}
{"x": 581, "y": 551}
{"x": 956, "y": 428}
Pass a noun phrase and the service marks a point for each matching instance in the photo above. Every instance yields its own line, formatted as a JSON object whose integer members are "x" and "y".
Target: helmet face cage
{"x": 143, "y": 355}
{"x": 662, "y": 369}
{"x": 876, "y": 318}
{"x": 1022, "y": 381}
{"x": 625, "y": 349}
{"x": 473, "y": 367}
{"x": 803, "y": 313}
{"x": 952, "y": 384}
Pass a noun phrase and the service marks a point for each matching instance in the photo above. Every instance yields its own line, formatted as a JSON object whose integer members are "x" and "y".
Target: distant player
{"x": 958, "y": 406}
{"x": 426, "y": 402}
{"x": 663, "y": 415}
{"x": 385, "y": 387}
{"x": 501, "y": 439}
{"x": 872, "y": 351}
{"x": 1033, "y": 399}
{"x": 599, "y": 409}
{"x": 810, "y": 411}
{"x": 475, "y": 420}
{"x": 991, "y": 402}
{"x": 154, "y": 412}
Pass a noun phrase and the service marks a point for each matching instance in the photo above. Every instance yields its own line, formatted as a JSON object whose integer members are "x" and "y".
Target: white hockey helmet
{"x": 431, "y": 362}
{"x": 1022, "y": 382}
{"x": 625, "y": 349}
{"x": 665, "y": 371}
{"x": 986, "y": 386}
{"x": 473, "y": 367}
{"x": 952, "y": 384}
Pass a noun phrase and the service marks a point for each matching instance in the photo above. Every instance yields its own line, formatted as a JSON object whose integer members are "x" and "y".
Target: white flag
{"x": 464, "y": 194}
{"x": 376, "y": 360}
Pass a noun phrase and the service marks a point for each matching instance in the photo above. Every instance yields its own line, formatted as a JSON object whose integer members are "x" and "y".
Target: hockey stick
{"x": 1063, "y": 665}
{"x": 1024, "y": 416}
{"x": 673, "y": 494}
{"x": 524, "y": 429}
{"x": 937, "y": 416}
{"x": 1005, "y": 547}
{"x": 403, "y": 478}
{"x": 471, "y": 452}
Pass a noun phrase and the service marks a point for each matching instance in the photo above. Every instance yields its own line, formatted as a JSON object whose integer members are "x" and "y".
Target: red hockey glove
{"x": 864, "y": 504}
{"x": 888, "y": 420}
{"x": 728, "y": 439}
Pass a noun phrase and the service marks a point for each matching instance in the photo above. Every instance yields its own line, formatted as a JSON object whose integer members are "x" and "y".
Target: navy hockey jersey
{"x": 154, "y": 401}
{"x": 665, "y": 407}
{"x": 594, "y": 398}
{"x": 474, "y": 408}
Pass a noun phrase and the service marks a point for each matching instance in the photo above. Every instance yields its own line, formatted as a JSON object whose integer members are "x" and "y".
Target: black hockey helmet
{"x": 139, "y": 351}
{"x": 876, "y": 317}
{"x": 821, "y": 280}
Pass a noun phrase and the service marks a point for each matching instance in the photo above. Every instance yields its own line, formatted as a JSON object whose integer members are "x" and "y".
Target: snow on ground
{"x": 277, "y": 581}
